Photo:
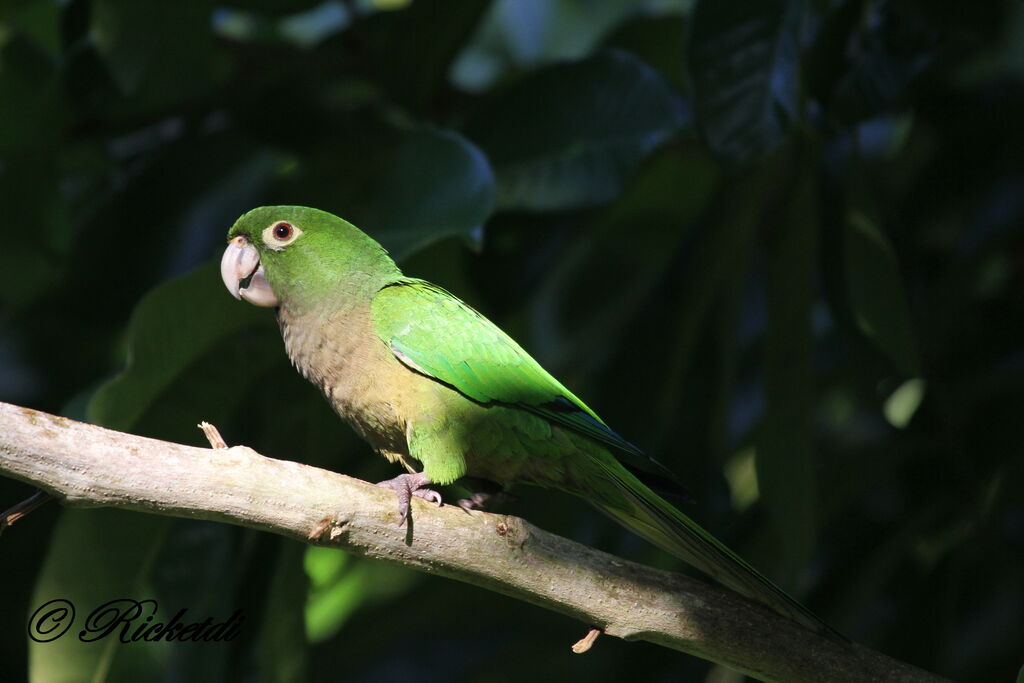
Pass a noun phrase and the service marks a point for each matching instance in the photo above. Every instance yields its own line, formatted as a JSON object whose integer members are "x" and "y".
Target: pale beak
{"x": 243, "y": 275}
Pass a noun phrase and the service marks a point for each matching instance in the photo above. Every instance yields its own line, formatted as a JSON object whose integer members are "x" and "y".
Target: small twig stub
{"x": 584, "y": 643}
{"x": 212, "y": 435}
{"x": 16, "y": 512}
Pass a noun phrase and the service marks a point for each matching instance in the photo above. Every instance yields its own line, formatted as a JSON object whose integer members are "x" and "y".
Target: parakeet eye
{"x": 280, "y": 234}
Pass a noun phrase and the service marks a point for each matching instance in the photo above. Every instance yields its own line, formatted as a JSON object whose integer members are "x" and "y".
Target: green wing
{"x": 434, "y": 333}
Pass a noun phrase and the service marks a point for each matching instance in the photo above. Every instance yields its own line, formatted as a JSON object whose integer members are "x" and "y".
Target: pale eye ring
{"x": 280, "y": 234}
{"x": 283, "y": 231}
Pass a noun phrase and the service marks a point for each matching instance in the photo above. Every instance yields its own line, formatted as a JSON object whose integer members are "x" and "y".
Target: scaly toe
{"x": 405, "y": 487}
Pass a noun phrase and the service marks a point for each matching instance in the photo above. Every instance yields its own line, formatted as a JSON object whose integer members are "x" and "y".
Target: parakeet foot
{"x": 405, "y": 487}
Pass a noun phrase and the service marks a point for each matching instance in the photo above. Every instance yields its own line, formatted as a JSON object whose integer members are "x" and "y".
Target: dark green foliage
{"x": 776, "y": 244}
{"x": 567, "y": 136}
{"x": 744, "y": 58}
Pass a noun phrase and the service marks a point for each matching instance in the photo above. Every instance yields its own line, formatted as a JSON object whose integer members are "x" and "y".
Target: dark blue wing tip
{"x": 562, "y": 405}
{"x": 567, "y": 407}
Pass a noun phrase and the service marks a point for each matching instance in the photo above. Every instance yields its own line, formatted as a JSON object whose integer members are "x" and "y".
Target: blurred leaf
{"x": 34, "y": 113}
{"x": 785, "y": 441}
{"x": 438, "y": 184}
{"x": 281, "y": 648}
{"x": 30, "y": 196}
{"x": 276, "y": 8}
{"x": 584, "y": 303}
{"x": 414, "y": 70}
{"x": 875, "y": 292}
{"x": 570, "y": 135}
{"x": 315, "y": 25}
{"x": 745, "y": 64}
{"x": 714, "y": 263}
{"x": 149, "y": 45}
{"x": 741, "y": 472}
{"x": 216, "y": 178}
{"x": 198, "y": 567}
{"x": 304, "y": 28}
{"x": 173, "y": 330}
{"x": 825, "y": 62}
{"x": 901, "y": 405}
{"x": 894, "y": 47}
{"x": 522, "y": 33}
{"x": 342, "y": 584}
{"x": 39, "y": 19}
{"x": 658, "y": 41}
{"x": 409, "y": 188}
{"x": 77, "y": 572}
{"x": 323, "y": 565}
{"x": 85, "y": 215}
{"x": 331, "y": 597}
{"x": 717, "y": 380}
{"x": 173, "y": 326}
{"x": 979, "y": 22}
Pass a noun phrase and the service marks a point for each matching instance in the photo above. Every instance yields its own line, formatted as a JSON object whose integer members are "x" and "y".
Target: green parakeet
{"x": 433, "y": 385}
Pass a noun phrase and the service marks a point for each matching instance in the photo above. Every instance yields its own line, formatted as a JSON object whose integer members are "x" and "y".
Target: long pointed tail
{"x": 644, "y": 512}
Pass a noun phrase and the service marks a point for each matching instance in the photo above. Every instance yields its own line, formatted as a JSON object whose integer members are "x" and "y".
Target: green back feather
{"x": 434, "y": 333}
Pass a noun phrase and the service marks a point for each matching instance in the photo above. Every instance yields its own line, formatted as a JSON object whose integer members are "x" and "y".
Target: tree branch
{"x": 88, "y": 466}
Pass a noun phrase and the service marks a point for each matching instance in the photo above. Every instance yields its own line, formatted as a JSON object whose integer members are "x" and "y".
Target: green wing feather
{"x": 436, "y": 334}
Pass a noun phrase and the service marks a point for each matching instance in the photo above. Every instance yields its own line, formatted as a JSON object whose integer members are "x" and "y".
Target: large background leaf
{"x": 875, "y": 292}
{"x": 438, "y": 185}
{"x": 161, "y": 346}
{"x": 569, "y": 135}
{"x": 148, "y": 45}
{"x": 744, "y": 61}
{"x": 75, "y": 572}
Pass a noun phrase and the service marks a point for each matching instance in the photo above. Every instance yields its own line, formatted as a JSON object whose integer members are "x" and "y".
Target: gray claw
{"x": 429, "y": 495}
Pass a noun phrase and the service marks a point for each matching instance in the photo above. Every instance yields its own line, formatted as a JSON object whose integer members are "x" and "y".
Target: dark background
{"x": 776, "y": 243}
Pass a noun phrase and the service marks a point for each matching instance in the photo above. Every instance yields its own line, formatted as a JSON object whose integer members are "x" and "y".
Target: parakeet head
{"x": 281, "y": 254}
